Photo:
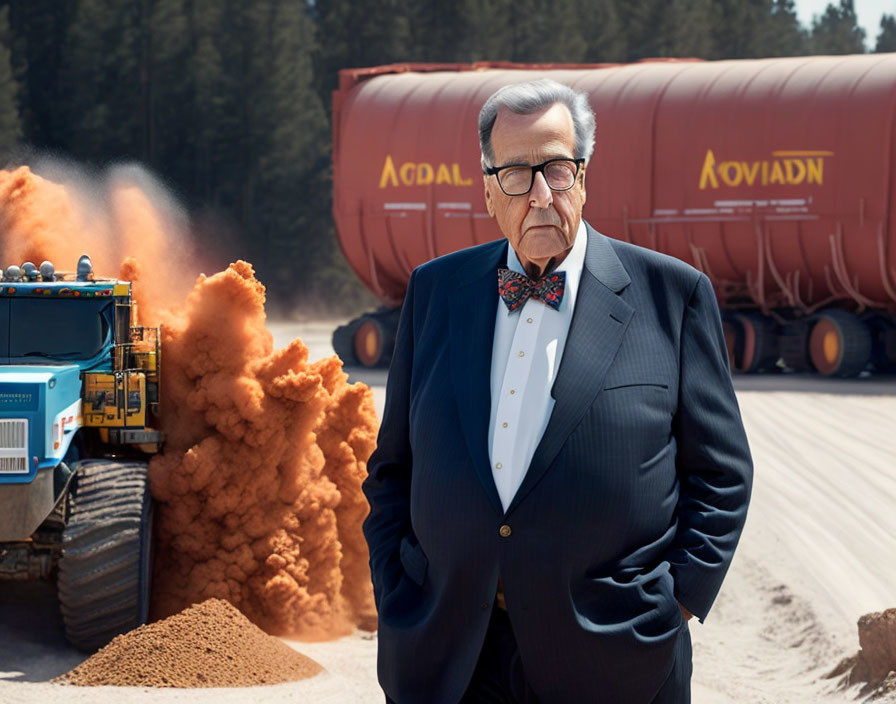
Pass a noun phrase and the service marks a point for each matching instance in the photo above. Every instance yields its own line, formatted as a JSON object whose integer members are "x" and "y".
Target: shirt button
{"x": 504, "y": 531}
{"x": 528, "y": 320}
{"x": 498, "y": 466}
{"x": 521, "y": 353}
{"x": 503, "y": 425}
{"x": 512, "y": 392}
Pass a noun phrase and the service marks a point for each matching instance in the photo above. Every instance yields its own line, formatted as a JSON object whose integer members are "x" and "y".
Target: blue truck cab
{"x": 79, "y": 404}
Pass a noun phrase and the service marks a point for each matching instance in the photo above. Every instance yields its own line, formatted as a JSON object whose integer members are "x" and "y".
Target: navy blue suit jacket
{"x": 634, "y": 500}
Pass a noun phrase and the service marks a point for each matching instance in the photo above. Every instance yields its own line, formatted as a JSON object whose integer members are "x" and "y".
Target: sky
{"x": 868, "y": 11}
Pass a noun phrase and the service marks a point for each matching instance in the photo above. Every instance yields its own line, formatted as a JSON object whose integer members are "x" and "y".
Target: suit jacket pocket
{"x": 413, "y": 560}
{"x": 628, "y": 603}
{"x": 629, "y": 384}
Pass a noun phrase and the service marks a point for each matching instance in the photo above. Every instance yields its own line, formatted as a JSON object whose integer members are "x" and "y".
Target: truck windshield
{"x": 54, "y": 328}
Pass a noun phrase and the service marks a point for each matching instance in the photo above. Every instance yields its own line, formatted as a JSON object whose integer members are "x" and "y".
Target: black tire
{"x": 368, "y": 341}
{"x": 839, "y": 344}
{"x": 344, "y": 342}
{"x": 795, "y": 346}
{"x": 883, "y": 339}
{"x": 105, "y": 571}
{"x": 754, "y": 343}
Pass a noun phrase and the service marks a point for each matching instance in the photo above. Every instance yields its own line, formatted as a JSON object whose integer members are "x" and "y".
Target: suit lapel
{"x": 473, "y": 310}
{"x": 599, "y": 322}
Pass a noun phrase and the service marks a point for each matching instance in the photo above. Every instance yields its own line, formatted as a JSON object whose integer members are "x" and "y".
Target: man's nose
{"x": 540, "y": 195}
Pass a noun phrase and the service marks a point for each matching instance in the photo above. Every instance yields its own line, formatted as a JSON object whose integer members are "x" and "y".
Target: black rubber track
{"x": 105, "y": 571}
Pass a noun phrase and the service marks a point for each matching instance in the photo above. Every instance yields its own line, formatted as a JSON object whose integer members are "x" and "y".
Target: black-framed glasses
{"x": 517, "y": 179}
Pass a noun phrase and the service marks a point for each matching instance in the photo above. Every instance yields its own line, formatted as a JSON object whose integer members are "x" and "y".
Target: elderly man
{"x": 561, "y": 475}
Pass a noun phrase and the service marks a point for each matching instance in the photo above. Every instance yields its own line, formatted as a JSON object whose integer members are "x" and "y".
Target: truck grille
{"x": 13, "y": 446}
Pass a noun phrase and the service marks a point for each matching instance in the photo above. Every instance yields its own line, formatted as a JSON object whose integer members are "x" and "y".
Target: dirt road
{"x": 816, "y": 554}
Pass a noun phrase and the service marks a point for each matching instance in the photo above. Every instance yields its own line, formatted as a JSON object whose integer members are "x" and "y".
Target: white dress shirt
{"x": 528, "y": 346}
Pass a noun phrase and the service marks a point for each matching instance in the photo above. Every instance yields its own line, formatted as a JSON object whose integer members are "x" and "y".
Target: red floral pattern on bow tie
{"x": 515, "y": 289}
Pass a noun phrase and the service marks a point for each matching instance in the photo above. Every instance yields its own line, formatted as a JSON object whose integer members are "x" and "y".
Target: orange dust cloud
{"x": 125, "y": 221}
{"x": 40, "y": 220}
{"x": 259, "y": 487}
{"x": 151, "y": 231}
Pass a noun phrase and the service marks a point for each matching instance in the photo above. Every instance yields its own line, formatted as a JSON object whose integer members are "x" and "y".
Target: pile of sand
{"x": 207, "y": 645}
{"x": 874, "y": 666}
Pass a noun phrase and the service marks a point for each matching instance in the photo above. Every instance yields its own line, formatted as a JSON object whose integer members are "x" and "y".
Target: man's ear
{"x": 489, "y": 203}
{"x": 582, "y": 176}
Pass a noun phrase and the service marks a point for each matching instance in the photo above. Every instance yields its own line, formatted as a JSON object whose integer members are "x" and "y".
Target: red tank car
{"x": 775, "y": 177}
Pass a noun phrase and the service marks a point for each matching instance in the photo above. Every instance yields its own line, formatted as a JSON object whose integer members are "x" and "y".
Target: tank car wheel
{"x": 794, "y": 343}
{"x": 105, "y": 571}
{"x": 731, "y": 331}
{"x": 374, "y": 339}
{"x": 755, "y": 348}
{"x": 839, "y": 344}
{"x": 370, "y": 342}
{"x": 344, "y": 342}
{"x": 883, "y": 341}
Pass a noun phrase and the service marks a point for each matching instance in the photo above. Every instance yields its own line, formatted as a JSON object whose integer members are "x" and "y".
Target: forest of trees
{"x": 228, "y": 101}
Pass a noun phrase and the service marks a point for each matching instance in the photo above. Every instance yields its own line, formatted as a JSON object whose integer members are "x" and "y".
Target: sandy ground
{"x": 817, "y": 552}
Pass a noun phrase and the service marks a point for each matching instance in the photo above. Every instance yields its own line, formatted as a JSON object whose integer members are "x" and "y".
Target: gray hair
{"x": 530, "y": 97}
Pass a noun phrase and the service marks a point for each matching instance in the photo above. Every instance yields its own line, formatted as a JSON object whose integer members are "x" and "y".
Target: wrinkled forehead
{"x": 531, "y": 139}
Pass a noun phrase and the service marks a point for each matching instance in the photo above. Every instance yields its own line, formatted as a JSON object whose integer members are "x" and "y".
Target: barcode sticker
{"x": 13, "y": 446}
{"x": 13, "y": 465}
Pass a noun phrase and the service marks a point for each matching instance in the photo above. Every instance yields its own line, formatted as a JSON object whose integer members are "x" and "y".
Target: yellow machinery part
{"x": 114, "y": 399}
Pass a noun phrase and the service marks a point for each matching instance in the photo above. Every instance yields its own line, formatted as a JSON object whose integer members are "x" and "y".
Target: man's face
{"x": 540, "y": 225}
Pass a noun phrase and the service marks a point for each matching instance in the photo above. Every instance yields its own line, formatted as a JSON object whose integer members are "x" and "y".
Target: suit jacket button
{"x": 504, "y": 531}
{"x": 484, "y": 606}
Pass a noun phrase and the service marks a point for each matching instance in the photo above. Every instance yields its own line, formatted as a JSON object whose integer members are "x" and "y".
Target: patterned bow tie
{"x": 516, "y": 289}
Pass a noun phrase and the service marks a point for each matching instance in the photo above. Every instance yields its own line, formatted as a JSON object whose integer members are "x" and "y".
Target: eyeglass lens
{"x": 560, "y": 176}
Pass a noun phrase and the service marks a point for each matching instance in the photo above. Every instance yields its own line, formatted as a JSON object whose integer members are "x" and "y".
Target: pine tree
{"x": 167, "y": 90}
{"x": 783, "y": 34}
{"x": 491, "y": 29}
{"x": 295, "y": 150}
{"x": 686, "y": 29}
{"x": 270, "y": 142}
{"x": 837, "y": 31}
{"x": 528, "y": 31}
{"x": 641, "y": 20}
{"x": 438, "y": 32}
{"x": 359, "y": 33}
{"x": 740, "y": 26}
{"x": 209, "y": 97}
{"x": 37, "y": 34}
{"x": 10, "y": 122}
{"x": 105, "y": 78}
{"x": 605, "y": 35}
{"x": 886, "y": 40}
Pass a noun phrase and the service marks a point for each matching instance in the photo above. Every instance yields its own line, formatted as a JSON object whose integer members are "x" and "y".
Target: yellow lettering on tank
{"x": 425, "y": 174}
{"x": 750, "y": 172}
{"x": 458, "y": 179}
{"x": 708, "y": 174}
{"x": 406, "y": 173}
{"x": 795, "y": 170}
{"x": 731, "y": 173}
{"x": 388, "y": 176}
{"x": 443, "y": 175}
{"x": 815, "y": 169}
{"x": 792, "y": 167}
